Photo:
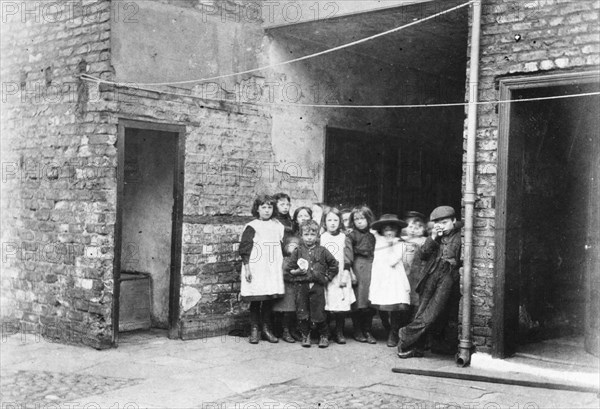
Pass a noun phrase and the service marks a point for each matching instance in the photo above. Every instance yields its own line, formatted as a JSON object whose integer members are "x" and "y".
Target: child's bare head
{"x": 309, "y": 231}
{"x": 361, "y": 217}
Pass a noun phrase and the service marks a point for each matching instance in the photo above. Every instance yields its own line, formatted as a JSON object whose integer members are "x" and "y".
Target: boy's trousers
{"x": 310, "y": 302}
{"x": 440, "y": 299}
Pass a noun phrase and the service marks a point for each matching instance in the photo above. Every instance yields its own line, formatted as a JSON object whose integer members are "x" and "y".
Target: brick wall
{"x": 58, "y": 172}
{"x": 555, "y": 36}
{"x": 229, "y": 159}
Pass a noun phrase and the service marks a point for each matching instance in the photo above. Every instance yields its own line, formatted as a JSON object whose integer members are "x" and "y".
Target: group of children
{"x": 323, "y": 264}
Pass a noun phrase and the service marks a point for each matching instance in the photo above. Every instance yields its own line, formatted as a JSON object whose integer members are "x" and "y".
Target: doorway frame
{"x": 507, "y": 86}
{"x": 177, "y": 220}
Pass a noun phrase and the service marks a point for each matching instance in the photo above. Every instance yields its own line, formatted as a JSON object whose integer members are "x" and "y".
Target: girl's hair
{"x": 295, "y": 227}
{"x": 279, "y": 196}
{"x": 346, "y": 210}
{"x": 364, "y": 209}
{"x": 310, "y": 226}
{"x": 415, "y": 219}
{"x": 336, "y": 212}
{"x": 259, "y": 201}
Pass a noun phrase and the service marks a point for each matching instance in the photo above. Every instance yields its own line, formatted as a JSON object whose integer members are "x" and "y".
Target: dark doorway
{"x": 148, "y": 233}
{"x": 547, "y": 215}
{"x": 390, "y": 174}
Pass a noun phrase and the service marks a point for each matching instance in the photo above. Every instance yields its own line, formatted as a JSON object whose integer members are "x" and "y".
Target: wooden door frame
{"x": 506, "y": 87}
{"x": 177, "y": 220}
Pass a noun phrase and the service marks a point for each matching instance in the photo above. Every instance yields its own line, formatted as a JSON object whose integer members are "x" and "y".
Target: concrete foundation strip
{"x": 493, "y": 379}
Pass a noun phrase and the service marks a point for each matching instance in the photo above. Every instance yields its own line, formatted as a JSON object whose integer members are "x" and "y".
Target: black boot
{"x": 268, "y": 335}
{"x": 286, "y": 322}
{"x": 395, "y": 320}
{"x": 340, "y": 320}
{"x": 384, "y": 316}
{"x": 293, "y": 326}
{"x": 323, "y": 334}
{"x": 287, "y": 337}
{"x": 357, "y": 327}
{"x": 254, "y": 334}
{"x": 367, "y": 324}
{"x": 304, "y": 326}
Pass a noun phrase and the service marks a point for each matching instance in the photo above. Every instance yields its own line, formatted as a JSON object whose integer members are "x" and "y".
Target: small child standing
{"x": 285, "y": 308}
{"x": 338, "y": 294}
{"x": 282, "y": 212}
{"x": 262, "y": 277}
{"x": 390, "y": 290}
{"x": 359, "y": 249}
{"x": 287, "y": 304}
{"x": 413, "y": 241}
{"x": 312, "y": 267}
{"x": 346, "y": 220}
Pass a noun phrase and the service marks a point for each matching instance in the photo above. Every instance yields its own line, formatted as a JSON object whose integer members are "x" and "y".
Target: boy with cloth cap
{"x": 438, "y": 289}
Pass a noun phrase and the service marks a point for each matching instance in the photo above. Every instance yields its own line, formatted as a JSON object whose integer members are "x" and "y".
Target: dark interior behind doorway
{"x": 553, "y": 218}
{"x": 148, "y": 203}
{"x": 391, "y": 174}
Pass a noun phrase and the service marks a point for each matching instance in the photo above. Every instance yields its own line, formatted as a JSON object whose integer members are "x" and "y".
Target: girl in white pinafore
{"x": 262, "y": 266}
{"x": 390, "y": 288}
{"x": 339, "y": 295}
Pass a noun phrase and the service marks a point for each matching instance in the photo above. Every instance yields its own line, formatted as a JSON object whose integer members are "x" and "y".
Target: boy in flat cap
{"x": 438, "y": 290}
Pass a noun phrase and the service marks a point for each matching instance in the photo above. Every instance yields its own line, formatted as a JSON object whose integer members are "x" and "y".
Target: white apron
{"x": 266, "y": 261}
{"x": 338, "y": 298}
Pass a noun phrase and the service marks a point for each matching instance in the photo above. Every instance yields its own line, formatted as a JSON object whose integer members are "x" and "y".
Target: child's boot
{"x": 294, "y": 326}
{"x": 305, "y": 330}
{"x": 357, "y": 327}
{"x": 286, "y": 336}
{"x": 395, "y": 320}
{"x": 384, "y": 316}
{"x": 339, "y": 328}
{"x": 367, "y": 324}
{"x": 268, "y": 335}
{"x": 323, "y": 334}
{"x": 254, "y": 334}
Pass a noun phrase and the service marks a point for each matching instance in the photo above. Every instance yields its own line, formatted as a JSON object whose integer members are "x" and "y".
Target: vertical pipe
{"x": 463, "y": 358}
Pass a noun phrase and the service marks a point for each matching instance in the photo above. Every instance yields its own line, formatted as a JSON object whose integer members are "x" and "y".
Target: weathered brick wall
{"x": 556, "y": 35}
{"x": 58, "y": 172}
{"x": 229, "y": 159}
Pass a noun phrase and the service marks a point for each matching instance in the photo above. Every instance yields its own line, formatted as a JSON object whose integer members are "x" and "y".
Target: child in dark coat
{"x": 438, "y": 288}
{"x": 312, "y": 267}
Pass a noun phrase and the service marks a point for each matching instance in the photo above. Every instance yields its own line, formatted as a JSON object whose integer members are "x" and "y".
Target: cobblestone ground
{"x": 32, "y": 389}
{"x": 294, "y": 396}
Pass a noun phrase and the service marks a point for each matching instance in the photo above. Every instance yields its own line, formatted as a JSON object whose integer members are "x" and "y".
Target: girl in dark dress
{"x": 287, "y": 305}
{"x": 360, "y": 247}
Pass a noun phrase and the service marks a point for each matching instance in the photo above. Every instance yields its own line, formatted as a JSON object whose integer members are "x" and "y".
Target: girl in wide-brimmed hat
{"x": 390, "y": 289}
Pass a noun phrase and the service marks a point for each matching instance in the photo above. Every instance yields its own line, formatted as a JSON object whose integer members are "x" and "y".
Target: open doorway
{"x": 148, "y": 232}
{"x": 547, "y": 219}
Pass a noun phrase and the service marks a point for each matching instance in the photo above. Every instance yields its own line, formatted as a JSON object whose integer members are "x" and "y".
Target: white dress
{"x": 389, "y": 283}
{"x": 266, "y": 262}
{"x": 338, "y": 298}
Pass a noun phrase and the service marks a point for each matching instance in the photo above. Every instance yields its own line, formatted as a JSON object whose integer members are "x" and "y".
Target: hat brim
{"x": 381, "y": 223}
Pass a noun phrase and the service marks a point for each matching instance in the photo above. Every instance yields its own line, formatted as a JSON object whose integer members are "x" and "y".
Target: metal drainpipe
{"x": 463, "y": 358}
